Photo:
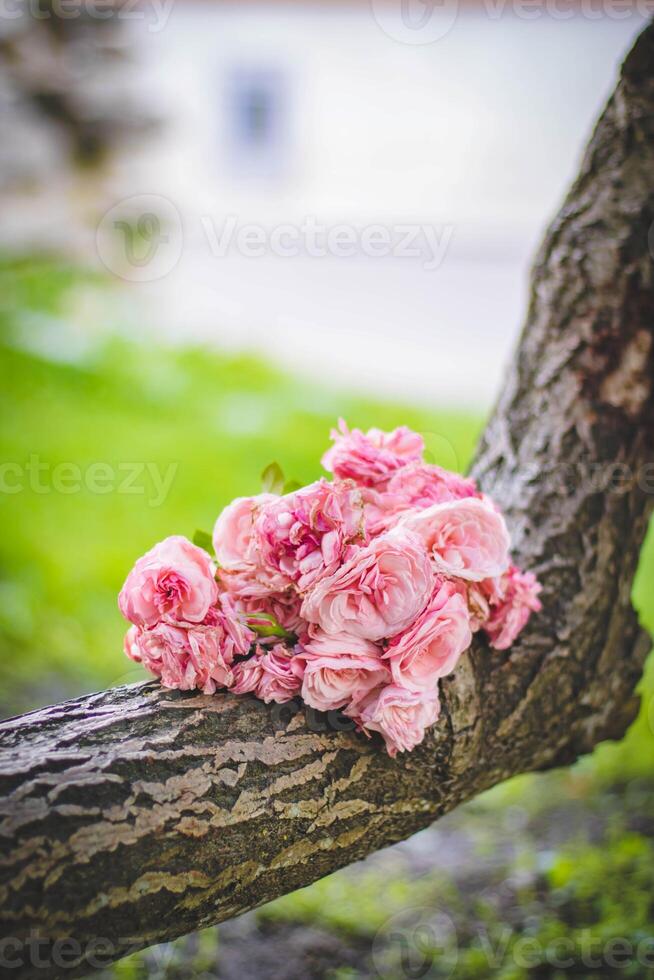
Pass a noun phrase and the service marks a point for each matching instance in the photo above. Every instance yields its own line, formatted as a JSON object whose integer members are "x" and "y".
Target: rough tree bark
{"x": 138, "y": 815}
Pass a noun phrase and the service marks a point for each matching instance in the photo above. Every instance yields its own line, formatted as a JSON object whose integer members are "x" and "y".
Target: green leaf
{"x": 203, "y": 540}
{"x": 272, "y": 479}
{"x": 265, "y": 625}
{"x": 291, "y": 486}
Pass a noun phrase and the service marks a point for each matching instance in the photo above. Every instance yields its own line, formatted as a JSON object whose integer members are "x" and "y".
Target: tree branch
{"x": 138, "y": 814}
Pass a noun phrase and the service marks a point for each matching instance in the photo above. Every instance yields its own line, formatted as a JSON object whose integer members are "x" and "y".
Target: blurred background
{"x": 222, "y": 226}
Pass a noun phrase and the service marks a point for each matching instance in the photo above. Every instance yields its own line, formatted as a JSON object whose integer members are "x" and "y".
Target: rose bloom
{"x": 174, "y": 582}
{"x": 303, "y": 535}
{"x": 431, "y": 646}
{"x": 241, "y": 569}
{"x": 401, "y": 716}
{"x": 188, "y": 656}
{"x": 423, "y": 484}
{"x": 377, "y": 593}
{"x": 338, "y": 669}
{"x": 232, "y": 533}
{"x": 504, "y": 605}
{"x": 413, "y": 487}
{"x": 481, "y": 595}
{"x": 381, "y": 510}
{"x": 467, "y": 538}
{"x": 370, "y": 458}
{"x": 283, "y": 607}
{"x": 271, "y": 675}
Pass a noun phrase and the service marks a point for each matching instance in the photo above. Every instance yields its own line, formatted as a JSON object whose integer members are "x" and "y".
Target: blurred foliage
{"x": 529, "y": 893}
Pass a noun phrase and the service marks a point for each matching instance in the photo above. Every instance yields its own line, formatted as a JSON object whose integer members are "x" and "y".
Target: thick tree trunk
{"x": 136, "y": 815}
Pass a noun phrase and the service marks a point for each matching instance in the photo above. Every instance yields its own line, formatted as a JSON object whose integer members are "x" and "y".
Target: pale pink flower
{"x": 232, "y": 533}
{"x": 511, "y": 602}
{"x": 413, "y": 487}
{"x": 283, "y": 607}
{"x": 377, "y": 593}
{"x": 173, "y": 582}
{"x": 188, "y": 656}
{"x": 246, "y": 674}
{"x": 242, "y": 571}
{"x": 255, "y": 582}
{"x": 370, "y": 458}
{"x": 381, "y": 510}
{"x": 467, "y": 538}
{"x": 303, "y": 535}
{"x": 431, "y": 646}
{"x": 423, "y": 484}
{"x": 338, "y": 669}
{"x": 400, "y": 715}
{"x": 481, "y": 595}
{"x": 271, "y": 675}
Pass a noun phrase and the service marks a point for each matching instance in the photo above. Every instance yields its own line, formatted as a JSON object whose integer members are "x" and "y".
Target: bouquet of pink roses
{"x": 357, "y": 594}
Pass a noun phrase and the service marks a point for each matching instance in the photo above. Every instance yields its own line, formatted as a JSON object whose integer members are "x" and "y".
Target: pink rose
{"x": 370, "y": 458}
{"x": 192, "y": 656}
{"x": 511, "y": 601}
{"x": 232, "y": 533}
{"x": 338, "y": 669}
{"x": 246, "y": 674}
{"x": 253, "y": 582}
{"x": 422, "y": 484}
{"x": 241, "y": 569}
{"x": 303, "y": 535}
{"x": 381, "y": 510}
{"x": 377, "y": 593}
{"x": 467, "y": 538}
{"x": 431, "y": 646}
{"x": 480, "y": 597}
{"x": 172, "y": 582}
{"x": 413, "y": 487}
{"x": 401, "y": 716}
{"x": 271, "y": 675}
{"x": 283, "y": 607}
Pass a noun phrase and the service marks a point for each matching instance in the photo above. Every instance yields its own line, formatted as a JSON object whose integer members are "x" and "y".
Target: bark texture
{"x": 137, "y": 814}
